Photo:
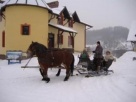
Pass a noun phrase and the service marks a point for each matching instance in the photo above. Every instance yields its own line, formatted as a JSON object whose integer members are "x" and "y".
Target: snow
{"x": 25, "y": 85}
{"x": 32, "y": 2}
{"x": 132, "y": 32}
{"x": 21, "y": 1}
{"x": 71, "y": 14}
{"x": 57, "y": 10}
{"x": 68, "y": 29}
{"x": 40, "y": 3}
{"x": 5, "y": 2}
{"x": 12, "y": 2}
{"x": 49, "y": 1}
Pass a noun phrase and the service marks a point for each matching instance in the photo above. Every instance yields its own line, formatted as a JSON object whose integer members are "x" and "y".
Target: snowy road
{"x": 25, "y": 85}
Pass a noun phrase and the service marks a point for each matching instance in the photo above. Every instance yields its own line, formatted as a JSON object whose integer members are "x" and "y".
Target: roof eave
{"x": 69, "y": 31}
{"x": 86, "y": 24}
{"x": 3, "y": 7}
{"x": 65, "y": 11}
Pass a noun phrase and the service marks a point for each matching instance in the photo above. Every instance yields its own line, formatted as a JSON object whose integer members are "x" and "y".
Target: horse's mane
{"x": 40, "y": 47}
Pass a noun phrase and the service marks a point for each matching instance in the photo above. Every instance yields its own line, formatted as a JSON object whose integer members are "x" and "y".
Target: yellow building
{"x": 24, "y": 21}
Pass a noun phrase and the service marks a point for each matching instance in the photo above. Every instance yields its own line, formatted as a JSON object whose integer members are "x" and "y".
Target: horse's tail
{"x": 72, "y": 64}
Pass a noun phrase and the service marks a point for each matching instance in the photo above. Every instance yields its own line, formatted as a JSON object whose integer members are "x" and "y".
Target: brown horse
{"x": 48, "y": 58}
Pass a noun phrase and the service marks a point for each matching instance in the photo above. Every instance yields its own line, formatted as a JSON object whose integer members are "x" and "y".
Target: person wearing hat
{"x": 98, "y": 56}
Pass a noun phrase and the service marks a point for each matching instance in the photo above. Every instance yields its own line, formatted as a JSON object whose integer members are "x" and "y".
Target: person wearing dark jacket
{"x": 98, "y": 56}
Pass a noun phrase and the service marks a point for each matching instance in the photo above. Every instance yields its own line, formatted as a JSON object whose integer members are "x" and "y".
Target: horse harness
{"x": 47, "y": 59}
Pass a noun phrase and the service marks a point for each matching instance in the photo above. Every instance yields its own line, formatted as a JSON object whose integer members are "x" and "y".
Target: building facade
{"x": 24, "y": 21}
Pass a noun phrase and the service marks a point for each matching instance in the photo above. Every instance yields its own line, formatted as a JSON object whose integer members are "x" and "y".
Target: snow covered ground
{"x": 25, "y": 85}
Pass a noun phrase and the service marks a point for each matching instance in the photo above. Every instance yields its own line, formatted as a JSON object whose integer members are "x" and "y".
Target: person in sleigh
{"x": 108, "y": 59}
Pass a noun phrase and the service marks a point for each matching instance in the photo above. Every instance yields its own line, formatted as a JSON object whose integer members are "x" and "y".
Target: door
{"x": 51, "y": 40}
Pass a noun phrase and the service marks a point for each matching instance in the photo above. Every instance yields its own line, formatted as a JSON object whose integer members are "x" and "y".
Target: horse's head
{"x": 35, "y": 48}
{"x": 32, "y": 49}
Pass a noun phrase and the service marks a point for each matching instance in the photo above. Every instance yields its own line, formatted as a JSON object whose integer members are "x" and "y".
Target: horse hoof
{"x": 46, "y": 79}
{"x": 57, "y": 75}
{"x": 66, "y": 79}
{"x": 43, "y": 79}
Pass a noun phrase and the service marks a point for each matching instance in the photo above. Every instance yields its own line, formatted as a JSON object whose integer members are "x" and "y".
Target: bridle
{"x": 31, "y": 52}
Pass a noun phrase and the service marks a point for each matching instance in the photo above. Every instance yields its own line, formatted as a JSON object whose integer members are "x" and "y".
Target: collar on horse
{"x": 46, "y": 59}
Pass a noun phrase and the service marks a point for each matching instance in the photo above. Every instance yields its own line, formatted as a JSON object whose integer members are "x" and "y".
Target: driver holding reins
{"x": 98, "y": 56}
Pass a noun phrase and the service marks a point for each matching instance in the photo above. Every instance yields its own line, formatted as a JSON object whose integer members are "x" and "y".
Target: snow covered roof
{"x": 132, "y": 32}
{"x": 40, "y": 3}
{"x": 71, "y": 14}
{"x": 64, "y": 28}
{"x": 57, "y": 10}
{"x": 49, "y": 1}
{"x": 68, "y": 14}
{"x": 61, "y": 9}
{"x": 43, "y": 3}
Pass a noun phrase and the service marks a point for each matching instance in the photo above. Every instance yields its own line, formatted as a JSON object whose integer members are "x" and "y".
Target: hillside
{"x": 110, "y": 35}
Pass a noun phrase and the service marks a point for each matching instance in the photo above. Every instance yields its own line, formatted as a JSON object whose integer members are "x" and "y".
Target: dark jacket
{"x": 84, "y": 54}
{"x": 98, "y": 52}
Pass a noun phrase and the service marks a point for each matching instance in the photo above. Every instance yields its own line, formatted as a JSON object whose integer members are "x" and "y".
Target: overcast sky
{"x": 103, "y": 13}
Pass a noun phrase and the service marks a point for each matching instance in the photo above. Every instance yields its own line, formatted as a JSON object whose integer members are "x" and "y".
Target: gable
{"x": 75, "y": 17}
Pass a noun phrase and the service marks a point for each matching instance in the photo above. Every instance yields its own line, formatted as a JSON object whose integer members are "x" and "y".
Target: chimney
{"x": 53, "y": 4}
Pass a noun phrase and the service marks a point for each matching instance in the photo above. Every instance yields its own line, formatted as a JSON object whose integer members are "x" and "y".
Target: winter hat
{"x": 98, "y": 42}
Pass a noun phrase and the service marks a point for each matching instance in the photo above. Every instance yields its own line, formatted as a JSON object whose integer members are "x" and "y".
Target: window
{"x": 70, "y": 40}
{"x": 60, "y": 39}
{"x": 3, "y": 39}
{"x": 25, "y": 29}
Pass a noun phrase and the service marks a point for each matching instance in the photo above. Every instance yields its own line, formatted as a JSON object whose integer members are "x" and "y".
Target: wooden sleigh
{"x": 87, "y": 67}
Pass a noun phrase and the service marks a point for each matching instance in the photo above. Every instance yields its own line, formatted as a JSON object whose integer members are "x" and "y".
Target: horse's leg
{"x": 67, "y": 73}
{"x": 72, "y": 65}
{"x": 58, "y": 72}
{"x": 41, "y": 71}
{"x": 45, "y": 76}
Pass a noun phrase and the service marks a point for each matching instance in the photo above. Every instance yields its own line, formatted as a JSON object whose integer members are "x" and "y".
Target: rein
{"x": 27, "y": 63}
